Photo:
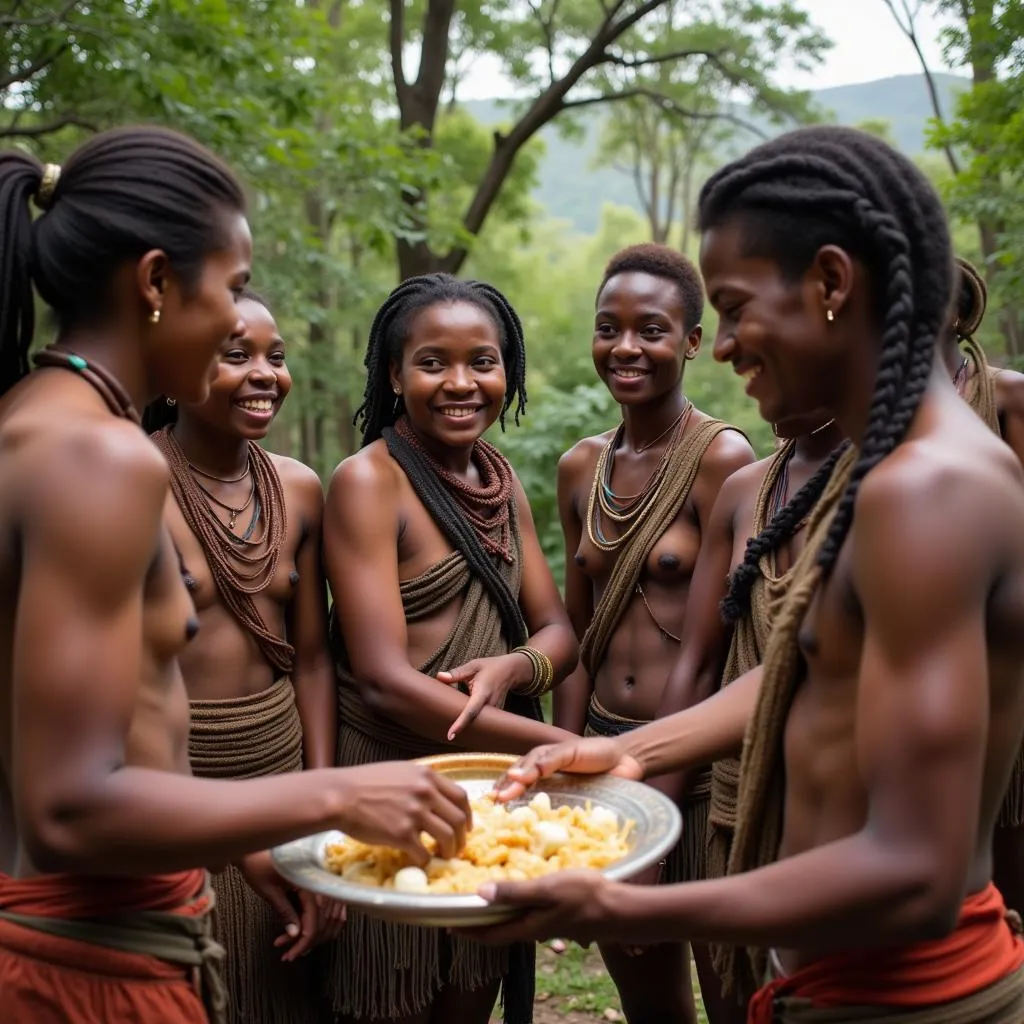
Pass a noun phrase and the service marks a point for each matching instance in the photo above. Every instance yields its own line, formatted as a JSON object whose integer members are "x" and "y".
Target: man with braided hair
{"x": 880, "y": 732}
{"x": 997, "y": 396}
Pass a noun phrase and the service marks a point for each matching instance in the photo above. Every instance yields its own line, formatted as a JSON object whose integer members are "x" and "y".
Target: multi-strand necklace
{"x": 487, "y": 507}
{"x": 629, "y": 511}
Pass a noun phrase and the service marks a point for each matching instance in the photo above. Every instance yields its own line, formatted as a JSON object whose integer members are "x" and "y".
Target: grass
{"x": 578, "y": 981}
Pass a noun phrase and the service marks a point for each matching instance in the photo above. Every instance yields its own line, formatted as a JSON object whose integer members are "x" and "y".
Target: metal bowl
{"x": 656, "y": 829}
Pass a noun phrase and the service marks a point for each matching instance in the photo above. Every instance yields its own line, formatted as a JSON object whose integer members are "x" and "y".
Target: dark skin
{"x": 641, "y": 345}
{"x": 224, "y": 661}
{"x": 1008, "y": 843}
{"x": 377, "y": 533}
{"x": 698, "y": 671}
{"x": 903, "y": 731}
{"x": 94, "y": 748}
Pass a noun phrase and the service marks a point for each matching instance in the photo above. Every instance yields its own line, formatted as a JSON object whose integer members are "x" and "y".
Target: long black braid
{"x": 390, "y": 331}
{"x": 830, "y": 185}
{"x": 780, "y": 529}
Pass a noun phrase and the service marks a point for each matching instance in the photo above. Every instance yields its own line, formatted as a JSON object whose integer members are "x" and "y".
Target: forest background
{"x": 365, "y": 165}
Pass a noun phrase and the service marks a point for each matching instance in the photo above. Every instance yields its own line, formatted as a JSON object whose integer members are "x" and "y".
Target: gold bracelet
{"x": 543, "y": 673}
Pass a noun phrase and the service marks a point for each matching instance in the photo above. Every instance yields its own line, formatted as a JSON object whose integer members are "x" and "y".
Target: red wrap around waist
{"x": 980, "y": 951}
{"x": 48, "y": 979}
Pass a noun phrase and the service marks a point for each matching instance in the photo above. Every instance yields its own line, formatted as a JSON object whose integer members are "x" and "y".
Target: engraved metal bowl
{"x": 656, "y": 829}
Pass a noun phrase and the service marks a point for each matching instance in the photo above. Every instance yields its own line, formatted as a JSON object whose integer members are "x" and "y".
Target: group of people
{"x": 818, "y": 655}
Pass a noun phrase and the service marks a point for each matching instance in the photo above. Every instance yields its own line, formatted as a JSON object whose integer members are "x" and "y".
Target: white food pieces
{"x": 411, "y": 880}
{"x": 523, "y": 816}
{"x": 550, "y": 837}
{"x": 604, "y": 819}
{"x": 541, "y": 802}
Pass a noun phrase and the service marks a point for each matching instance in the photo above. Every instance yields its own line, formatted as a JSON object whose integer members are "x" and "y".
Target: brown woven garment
{"x": 762, "y": 772}
{"x": 379, "y": 968}
{"x": 243, "y": 738}
{"x": 1001, "y": 1003}
{"x": 749, "y": 639}
{"x": 685, "y": 861}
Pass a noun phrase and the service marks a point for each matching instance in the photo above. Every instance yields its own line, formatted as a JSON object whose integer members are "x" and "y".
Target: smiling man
{"x": 883, "y": 724}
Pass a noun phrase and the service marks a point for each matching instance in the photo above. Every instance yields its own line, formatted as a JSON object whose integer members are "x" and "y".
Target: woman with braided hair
{"x": 447, "y": 625}
{"x": 635, "y": 503}
{"x": 997, "y": 396}
{"x": 879, "y": 734}
{"x": 246, "y": 525}
{"x": 140, "y": 248}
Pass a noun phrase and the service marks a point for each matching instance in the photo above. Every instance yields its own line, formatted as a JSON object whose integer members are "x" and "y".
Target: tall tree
{"x": 563, "y": 55}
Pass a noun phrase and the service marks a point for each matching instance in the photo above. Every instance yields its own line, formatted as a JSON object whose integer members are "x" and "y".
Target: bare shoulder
{"x": 1010, "y": 393}
{"x": 299, "y": 481}
{"x": 579, "y": 461}
{"x": 729, "y": 451}
{"x": 744, "y": 483}
{"x": 367, "y": 476}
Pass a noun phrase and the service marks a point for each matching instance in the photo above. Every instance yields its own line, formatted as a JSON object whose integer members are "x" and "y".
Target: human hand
{"x": 301, "y": 926}
{"x": 595, "y": 755}
{"x": 577, "y": 905}
{"x": 392, "y": 803}
{"x": 489, "y": 681}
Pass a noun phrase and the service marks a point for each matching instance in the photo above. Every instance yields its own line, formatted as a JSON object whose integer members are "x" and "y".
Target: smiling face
{"x": 196, "y": 321}
{"x": 451, "y": 376}
{"x": 774, "y": 330}
{"x": 252, "y": 379}
{"x": 641, "y": 339}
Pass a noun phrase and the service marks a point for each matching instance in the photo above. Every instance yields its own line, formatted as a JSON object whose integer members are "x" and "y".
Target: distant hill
{"x": 571, "y": 189}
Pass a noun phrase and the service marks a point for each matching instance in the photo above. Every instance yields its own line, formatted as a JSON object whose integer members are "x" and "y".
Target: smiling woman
{"x": 635, "y": 504}
{"x": 246, "y": 525}
{"x": 447, "y": 624}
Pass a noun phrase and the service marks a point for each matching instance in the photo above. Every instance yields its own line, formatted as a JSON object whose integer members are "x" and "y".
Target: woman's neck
{"x": 219, "y": 454}
{"x": 119, "y": 356}
{"x": 818, "y": 444}
{"x": 644, "y": 424}
{"x": 456, "y": 459}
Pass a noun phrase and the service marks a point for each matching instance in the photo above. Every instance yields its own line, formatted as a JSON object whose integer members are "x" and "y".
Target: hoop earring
{"x": 172, "y": 402}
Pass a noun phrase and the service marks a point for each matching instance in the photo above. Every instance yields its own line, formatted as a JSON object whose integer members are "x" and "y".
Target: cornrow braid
{"x": 390, "y": 331}
{"x": 779, "y": 530}
{"x": 829, "y": 185}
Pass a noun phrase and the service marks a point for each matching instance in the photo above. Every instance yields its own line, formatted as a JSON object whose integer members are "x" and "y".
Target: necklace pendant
{"x": 232, "y": 518}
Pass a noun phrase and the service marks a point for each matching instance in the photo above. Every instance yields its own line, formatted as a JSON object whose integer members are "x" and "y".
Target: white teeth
{"x": 630, "y": 373}
{"x": 257, "y": 404}
{"x": 754, "y": 371}
{"x": 459, "y": 412}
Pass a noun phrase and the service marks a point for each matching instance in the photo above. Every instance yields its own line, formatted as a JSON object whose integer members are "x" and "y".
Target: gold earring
{"x": 172, "y": 402}
{"x": 829, "y": 315}
{"x": 154, "y": 317}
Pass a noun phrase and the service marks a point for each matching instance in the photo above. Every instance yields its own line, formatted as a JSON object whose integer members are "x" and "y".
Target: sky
{"x": 867, "y": 44}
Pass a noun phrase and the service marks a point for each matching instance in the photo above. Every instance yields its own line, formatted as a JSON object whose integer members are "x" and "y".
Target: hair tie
{"x": 48, "y": 185}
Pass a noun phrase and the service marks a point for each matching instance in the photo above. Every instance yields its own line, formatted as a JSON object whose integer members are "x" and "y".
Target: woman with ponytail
{"x": 140, "y": 249}
{"x": 879, "y": 734}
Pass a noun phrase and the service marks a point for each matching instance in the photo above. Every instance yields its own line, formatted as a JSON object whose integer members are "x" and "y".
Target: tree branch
{"x": 437, "y": 23}
{"x": 53, "y": 19}
{"x": 668, "y": 105}
{"x": 908, "y": 28}
{"x": 35, "y": 131}
{"x": 396, "y": 35}
{"x": 33, "y": 69}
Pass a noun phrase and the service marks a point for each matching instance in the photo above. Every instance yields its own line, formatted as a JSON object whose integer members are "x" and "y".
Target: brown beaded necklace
{"x": 241, "y": 567}
{"x": 486, "y": 507}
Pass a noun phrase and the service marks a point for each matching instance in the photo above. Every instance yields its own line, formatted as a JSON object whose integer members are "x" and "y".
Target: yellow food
{"x": 503, "y": 845}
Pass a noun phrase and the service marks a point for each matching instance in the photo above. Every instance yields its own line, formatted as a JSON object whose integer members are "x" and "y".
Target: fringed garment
{"x": 687, "y": 861}
{"x": 245, "y": 738}
{"x": 762, "y": 782}
{"x": 980, "y": 395}
{"x": 746, "y": 651}
{"x": 381, "y": 969}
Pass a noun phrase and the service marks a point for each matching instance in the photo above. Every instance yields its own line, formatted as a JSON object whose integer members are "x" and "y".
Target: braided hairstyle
{"x": 122, "y": 193}
{"x": 158, "y": 414}
{"x": 971, "y": 299}
{"x": 667, "y": 263}
{"x": 840, "y": 186}
{"x": 390, "y": 332}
